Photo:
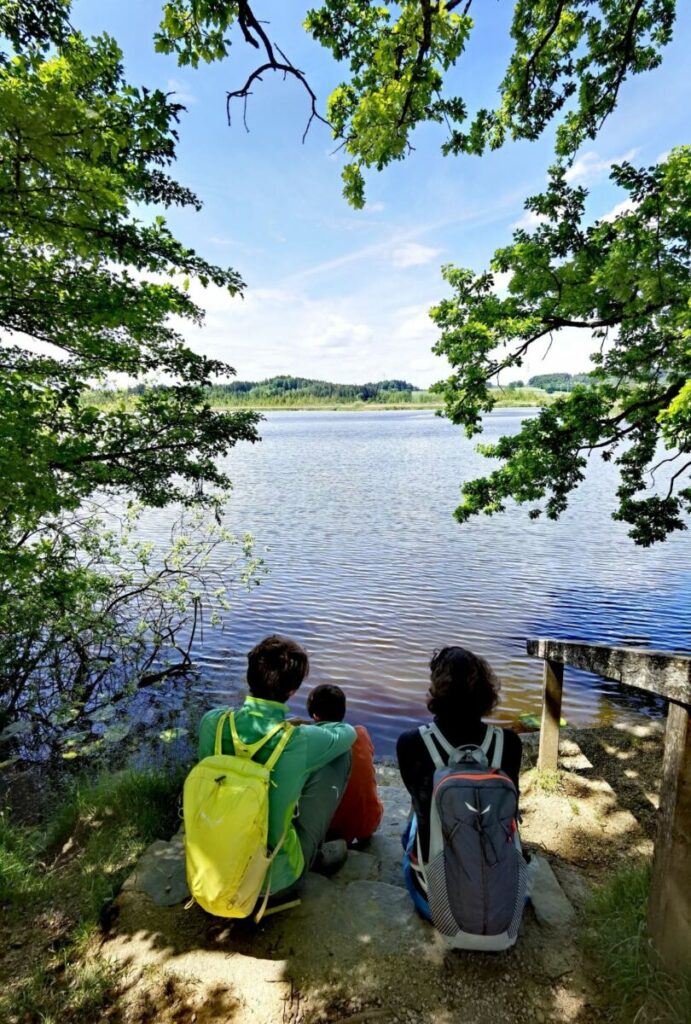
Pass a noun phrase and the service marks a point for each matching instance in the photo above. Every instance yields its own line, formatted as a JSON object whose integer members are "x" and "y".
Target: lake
{"x": 369, "y": 570}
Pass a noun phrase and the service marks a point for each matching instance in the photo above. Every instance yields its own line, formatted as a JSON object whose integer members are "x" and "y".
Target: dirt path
{"x": 354, "y": 951}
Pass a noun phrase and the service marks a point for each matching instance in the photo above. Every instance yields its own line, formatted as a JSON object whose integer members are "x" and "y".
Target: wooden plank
{"x": 669, "y": 907}
{"x": 664, "y": 673}
{"x": 551, "y": 715}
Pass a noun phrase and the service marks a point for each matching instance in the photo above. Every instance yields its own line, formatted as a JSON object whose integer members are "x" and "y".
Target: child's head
{"x": 327, "y": 703}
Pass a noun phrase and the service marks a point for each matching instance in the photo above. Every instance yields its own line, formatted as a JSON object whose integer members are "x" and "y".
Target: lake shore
{"x": 125, "y": 947}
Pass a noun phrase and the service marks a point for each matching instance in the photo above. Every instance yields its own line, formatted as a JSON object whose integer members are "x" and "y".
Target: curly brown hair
{"x": 276, "y": 667}
{"x": 462, "y": 684}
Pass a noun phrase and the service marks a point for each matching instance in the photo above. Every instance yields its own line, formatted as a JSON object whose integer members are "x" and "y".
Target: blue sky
{"x": 339, "y": 294}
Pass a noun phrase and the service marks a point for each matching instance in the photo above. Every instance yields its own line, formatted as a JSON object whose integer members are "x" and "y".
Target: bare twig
{"x": 255, "y": 35}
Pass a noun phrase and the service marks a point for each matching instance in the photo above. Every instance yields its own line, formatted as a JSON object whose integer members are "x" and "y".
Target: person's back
{"x": 360, "y": 811}
{"x": 312, "y": 770}
{"x": 462, "y": 776}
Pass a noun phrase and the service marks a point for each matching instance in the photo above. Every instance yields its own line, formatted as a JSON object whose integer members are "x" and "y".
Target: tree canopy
{"x": 623, "y": 280}
{"x": 95, "y": 286}
{"x": 570, "y": 59}
{"x": 627, "y": 281}
{"x": 87, "y": 291}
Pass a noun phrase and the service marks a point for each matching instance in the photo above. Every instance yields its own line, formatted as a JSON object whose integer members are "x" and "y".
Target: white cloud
{"x": 589, "y": 167}
{"x": 625, "y": 206}
{"x": 501, "y": 281}
{"x": 375, "y": 207}
{"x": 183, "y": 93}
{"x": 412, "y": 254}
{"x": 528, "y": 221}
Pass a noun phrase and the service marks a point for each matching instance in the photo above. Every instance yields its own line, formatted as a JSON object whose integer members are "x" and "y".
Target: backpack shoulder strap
{"x": 280, "y": 746}
{"x": 498, "y": 751}
{"x": 248, "y": 750}
{"x": 430, "y": 734}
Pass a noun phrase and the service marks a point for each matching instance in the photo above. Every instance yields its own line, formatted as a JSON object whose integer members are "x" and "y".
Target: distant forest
{"x": 553, "y": 382}
{"x": 305, "y": 387}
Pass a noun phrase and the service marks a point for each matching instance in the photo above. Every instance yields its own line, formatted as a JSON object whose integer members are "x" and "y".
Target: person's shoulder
{"x": 212, "y": 716}
{"x": 513, "y": 747}
{"x": 408, "y": 740}
{"x": 364, "y": 740}
{"x": 511, "y": 739}
{"x": 333, "y": 728}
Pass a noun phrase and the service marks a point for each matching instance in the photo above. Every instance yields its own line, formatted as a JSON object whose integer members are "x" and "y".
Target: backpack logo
{"x": 477, "y": 810}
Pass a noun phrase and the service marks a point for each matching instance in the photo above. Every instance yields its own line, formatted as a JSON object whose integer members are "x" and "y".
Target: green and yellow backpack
{"x": 226, "y": 814}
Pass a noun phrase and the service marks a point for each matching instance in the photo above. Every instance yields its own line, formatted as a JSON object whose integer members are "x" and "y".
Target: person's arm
{"x": 325, "y": 742}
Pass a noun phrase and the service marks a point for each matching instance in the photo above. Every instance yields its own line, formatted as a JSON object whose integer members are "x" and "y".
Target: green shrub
{"x": 616, "y": 936}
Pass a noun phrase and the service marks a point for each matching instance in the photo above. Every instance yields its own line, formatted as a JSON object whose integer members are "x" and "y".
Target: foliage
{"x": 569, "y": 61}
{"x": 616, "y": 935}
{"x": 626, "y": 281}
{"x": 87, "y": 290}
{"x": 307, "y": 388}
{"x": 96, "y": 286}
{"x": 558, "y": 381}
{"x": 103, "y": 612}
{"x": 58, "y": 877}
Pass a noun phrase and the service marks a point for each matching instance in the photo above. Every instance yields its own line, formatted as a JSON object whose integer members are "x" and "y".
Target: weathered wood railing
{"x": 667, "y": 675}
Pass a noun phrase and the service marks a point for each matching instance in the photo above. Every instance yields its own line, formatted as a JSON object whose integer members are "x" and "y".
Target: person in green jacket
{"x": 311, "y": 774}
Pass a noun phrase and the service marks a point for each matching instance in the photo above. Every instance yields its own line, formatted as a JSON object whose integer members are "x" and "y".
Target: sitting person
{"x": 311, "y": 773}
{"x": 463, "y": 690}
{"x": 360, "y": 811}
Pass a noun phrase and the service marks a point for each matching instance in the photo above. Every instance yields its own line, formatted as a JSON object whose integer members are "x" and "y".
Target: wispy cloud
{"x": 590, "y": 167}
{"x": 625, "y": 206}
{"x": 182, "y": 91}
{"x": 412, "y": 254}
{"x": 528, "y": 221}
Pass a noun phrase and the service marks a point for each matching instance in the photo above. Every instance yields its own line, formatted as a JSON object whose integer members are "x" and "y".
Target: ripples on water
{"x": 370, "y": 571}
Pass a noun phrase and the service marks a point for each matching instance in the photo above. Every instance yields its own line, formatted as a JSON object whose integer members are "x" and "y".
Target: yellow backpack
{"x": 226, "y": 812}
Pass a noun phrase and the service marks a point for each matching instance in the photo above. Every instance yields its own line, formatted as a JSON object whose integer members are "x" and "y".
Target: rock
{"x": 389, "y": 852}
{"x": 160, "y": 874}
{"x": 358, "y": 867}
{"x": 552, "y": 908}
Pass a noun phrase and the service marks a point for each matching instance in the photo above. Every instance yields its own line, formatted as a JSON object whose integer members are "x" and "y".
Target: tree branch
{"x": 249, "y": 25}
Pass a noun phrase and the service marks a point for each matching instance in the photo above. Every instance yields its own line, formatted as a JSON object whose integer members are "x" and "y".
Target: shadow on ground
{"x": 354, "y": 951}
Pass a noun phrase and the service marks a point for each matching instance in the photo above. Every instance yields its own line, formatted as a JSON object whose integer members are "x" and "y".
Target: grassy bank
{"x": 637, "y": 989}
{"x": 517, "y": 398}
{"x": 57, "y": 879}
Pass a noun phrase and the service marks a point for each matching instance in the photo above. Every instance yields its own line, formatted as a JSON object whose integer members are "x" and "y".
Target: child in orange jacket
{"x": 360, "y": 811}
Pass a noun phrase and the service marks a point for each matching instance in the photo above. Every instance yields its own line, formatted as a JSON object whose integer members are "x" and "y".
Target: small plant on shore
{"x": 616, "y": 936}
{"x": 549, "y": 781}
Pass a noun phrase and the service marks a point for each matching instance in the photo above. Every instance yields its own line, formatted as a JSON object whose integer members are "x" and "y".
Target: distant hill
{"x": 296, "y": 388}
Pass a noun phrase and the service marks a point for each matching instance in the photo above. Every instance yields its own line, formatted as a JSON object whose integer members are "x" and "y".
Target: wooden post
{"x": 669, "y": 907}
{"x": 551, "y": 715}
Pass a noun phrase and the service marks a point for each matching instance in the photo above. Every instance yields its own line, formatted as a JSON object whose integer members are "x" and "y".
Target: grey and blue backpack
{"x": 475, "y": 876}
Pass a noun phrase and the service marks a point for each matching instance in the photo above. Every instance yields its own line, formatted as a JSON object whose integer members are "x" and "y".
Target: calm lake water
{"x": 370, "y": 572}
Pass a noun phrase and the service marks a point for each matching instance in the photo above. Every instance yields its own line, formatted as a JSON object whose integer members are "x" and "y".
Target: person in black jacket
{"x": 463, "y": 690}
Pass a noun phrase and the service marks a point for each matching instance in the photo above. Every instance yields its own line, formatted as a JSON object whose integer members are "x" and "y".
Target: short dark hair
{"x": 328, "y": 702}
{"x": 462, "y": 684}
{"x": 276, "y": 667}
